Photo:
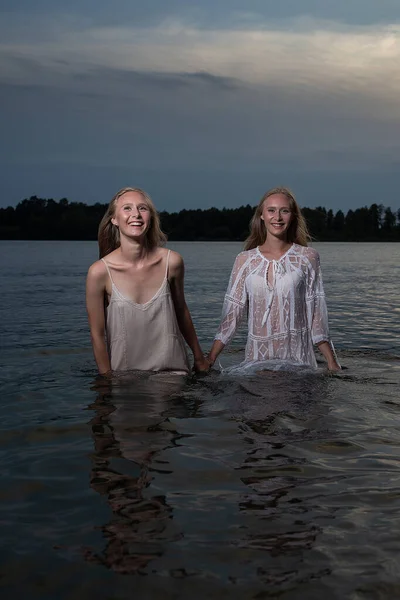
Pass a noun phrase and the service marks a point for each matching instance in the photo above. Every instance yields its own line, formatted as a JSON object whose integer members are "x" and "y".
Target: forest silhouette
{"x": 46, "y": 219}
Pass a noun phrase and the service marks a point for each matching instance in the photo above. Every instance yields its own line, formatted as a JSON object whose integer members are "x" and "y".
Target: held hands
{"x": 106, "y": 374}
{"x": 210, "y": 360}
{"x": 201, "y": 365}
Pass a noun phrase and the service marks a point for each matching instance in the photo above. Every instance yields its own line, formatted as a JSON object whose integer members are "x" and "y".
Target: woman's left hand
{"x": 201, "y": 365}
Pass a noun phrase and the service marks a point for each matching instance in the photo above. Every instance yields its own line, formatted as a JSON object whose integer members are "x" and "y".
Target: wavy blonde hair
{"x": 108, "y": 234}
{"x": 297, "y": 232}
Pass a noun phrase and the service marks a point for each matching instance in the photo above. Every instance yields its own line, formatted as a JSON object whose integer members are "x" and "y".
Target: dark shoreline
{"x": 45, "y": 219}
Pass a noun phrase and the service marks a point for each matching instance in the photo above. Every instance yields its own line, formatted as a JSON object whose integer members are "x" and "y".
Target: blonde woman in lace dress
{"x": 276, "y": 282}
{"x": 135, "y": 299}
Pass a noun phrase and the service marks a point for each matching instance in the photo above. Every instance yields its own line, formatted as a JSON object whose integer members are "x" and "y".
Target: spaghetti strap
{"x": 146, "y": 336}
{"x": 108, "y": 270}
{"x": 166, "y": 268}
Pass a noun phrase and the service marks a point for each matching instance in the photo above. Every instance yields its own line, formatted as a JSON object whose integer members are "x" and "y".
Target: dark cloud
{"x": 226, "y": 83}
{"x": 165, "y": 81}
{"x": 224, "y": 13}
{"x": 21, "y": 62}
{"x": 193, "y": 119}
{"x": 170, "y": 120}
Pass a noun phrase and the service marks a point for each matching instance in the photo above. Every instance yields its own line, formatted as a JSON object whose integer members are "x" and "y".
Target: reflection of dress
{"x": 145, "y": 336}
{"x": 286, "y": 318}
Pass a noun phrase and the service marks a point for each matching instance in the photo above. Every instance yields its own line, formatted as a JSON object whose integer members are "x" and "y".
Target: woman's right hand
{"x": 334, "y": 366}
{"x": 210, "y": 360}
{"x": 106, "y": 374}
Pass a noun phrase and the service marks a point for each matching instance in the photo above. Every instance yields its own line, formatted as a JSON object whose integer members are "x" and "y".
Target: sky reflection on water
{"x": 277, "y": 483}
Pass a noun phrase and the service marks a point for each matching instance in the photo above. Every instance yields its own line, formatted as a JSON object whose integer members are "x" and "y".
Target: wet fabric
{"x": 286, "y": 317}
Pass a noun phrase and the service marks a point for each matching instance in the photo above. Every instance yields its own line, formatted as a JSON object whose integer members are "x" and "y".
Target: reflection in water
{"x": 284, "y": 414}
{"x": 252, "y": 466}
{"x": 220, "y": 475}
{"x": 273, "y": 483}
{"x": 276, "y": 414}
{"x": 270, "y": 484}
{"x": 129, "y": 432}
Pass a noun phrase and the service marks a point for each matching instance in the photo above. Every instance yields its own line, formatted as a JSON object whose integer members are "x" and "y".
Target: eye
{"x": 126, "y": 207}
{"x": 271, "y": 210}
{"x": 144, "y": 207}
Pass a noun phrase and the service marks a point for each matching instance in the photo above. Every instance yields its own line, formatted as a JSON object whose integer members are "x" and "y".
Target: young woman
{"x": 277, "y": 282}
{"x": 135, "y": 299}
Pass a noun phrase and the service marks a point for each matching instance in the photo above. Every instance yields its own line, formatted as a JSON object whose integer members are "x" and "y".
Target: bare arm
{"x": 95, "y": 290}
{"x": 177, "y": 274}
{"x": 234, "y": 308}
{"x": 215, "y": 351}
{"x": 318, "y": 314}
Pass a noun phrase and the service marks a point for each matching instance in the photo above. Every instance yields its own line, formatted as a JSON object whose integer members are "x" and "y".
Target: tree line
{"x": 46, "y": 219}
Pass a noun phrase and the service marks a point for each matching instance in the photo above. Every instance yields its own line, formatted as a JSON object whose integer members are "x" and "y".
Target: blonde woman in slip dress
{"x": 135, "y": 300}
{"x": 277, "y": 283}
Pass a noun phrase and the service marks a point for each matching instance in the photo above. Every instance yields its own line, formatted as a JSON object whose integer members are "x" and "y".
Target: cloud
{"x": 325, "y": 56}
{"x": 299, "y": 96}
{"x": 118, "y": 117}
{"x": 224, "y": 14}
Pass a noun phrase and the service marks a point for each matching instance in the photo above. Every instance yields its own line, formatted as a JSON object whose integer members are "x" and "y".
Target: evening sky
{"x": 201, "y": 103}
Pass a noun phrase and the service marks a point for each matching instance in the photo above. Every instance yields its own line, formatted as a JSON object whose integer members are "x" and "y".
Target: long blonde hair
{"x": 297, "y": 232}
{"x": 108, "y": 234}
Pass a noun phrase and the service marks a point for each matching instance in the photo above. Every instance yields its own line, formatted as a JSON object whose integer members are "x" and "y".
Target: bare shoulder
{"x": 175, "y": 260}
{"x": 97, "y": 271}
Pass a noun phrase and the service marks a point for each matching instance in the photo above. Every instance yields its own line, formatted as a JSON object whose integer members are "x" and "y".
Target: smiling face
{"x": 277, "y": 215}
{"x": 132, "y": 215}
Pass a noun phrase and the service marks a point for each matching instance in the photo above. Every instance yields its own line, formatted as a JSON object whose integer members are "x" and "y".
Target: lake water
{"x": 274, "y": 485}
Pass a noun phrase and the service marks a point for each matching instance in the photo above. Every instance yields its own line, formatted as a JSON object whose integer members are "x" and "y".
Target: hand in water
{"x": 210, "y": 361}
{"x": 334, "y": 366}
{"x": 106, "y": 374}
{"x": 201, "y": 365}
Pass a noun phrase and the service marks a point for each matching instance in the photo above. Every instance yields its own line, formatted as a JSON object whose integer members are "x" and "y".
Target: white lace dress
{"x": 285, "y": 318}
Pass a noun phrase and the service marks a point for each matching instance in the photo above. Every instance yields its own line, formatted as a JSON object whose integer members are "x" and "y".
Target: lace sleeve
{"x": 317, "y": 313}
{"x": 235, "y": 302}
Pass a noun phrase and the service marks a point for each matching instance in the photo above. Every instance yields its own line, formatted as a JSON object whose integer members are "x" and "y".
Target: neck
{"x": 275, "y": 245}
{"x": 133, "y": 250}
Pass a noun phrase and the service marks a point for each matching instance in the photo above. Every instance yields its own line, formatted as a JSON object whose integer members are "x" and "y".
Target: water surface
{"x": 273, "y": 485}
